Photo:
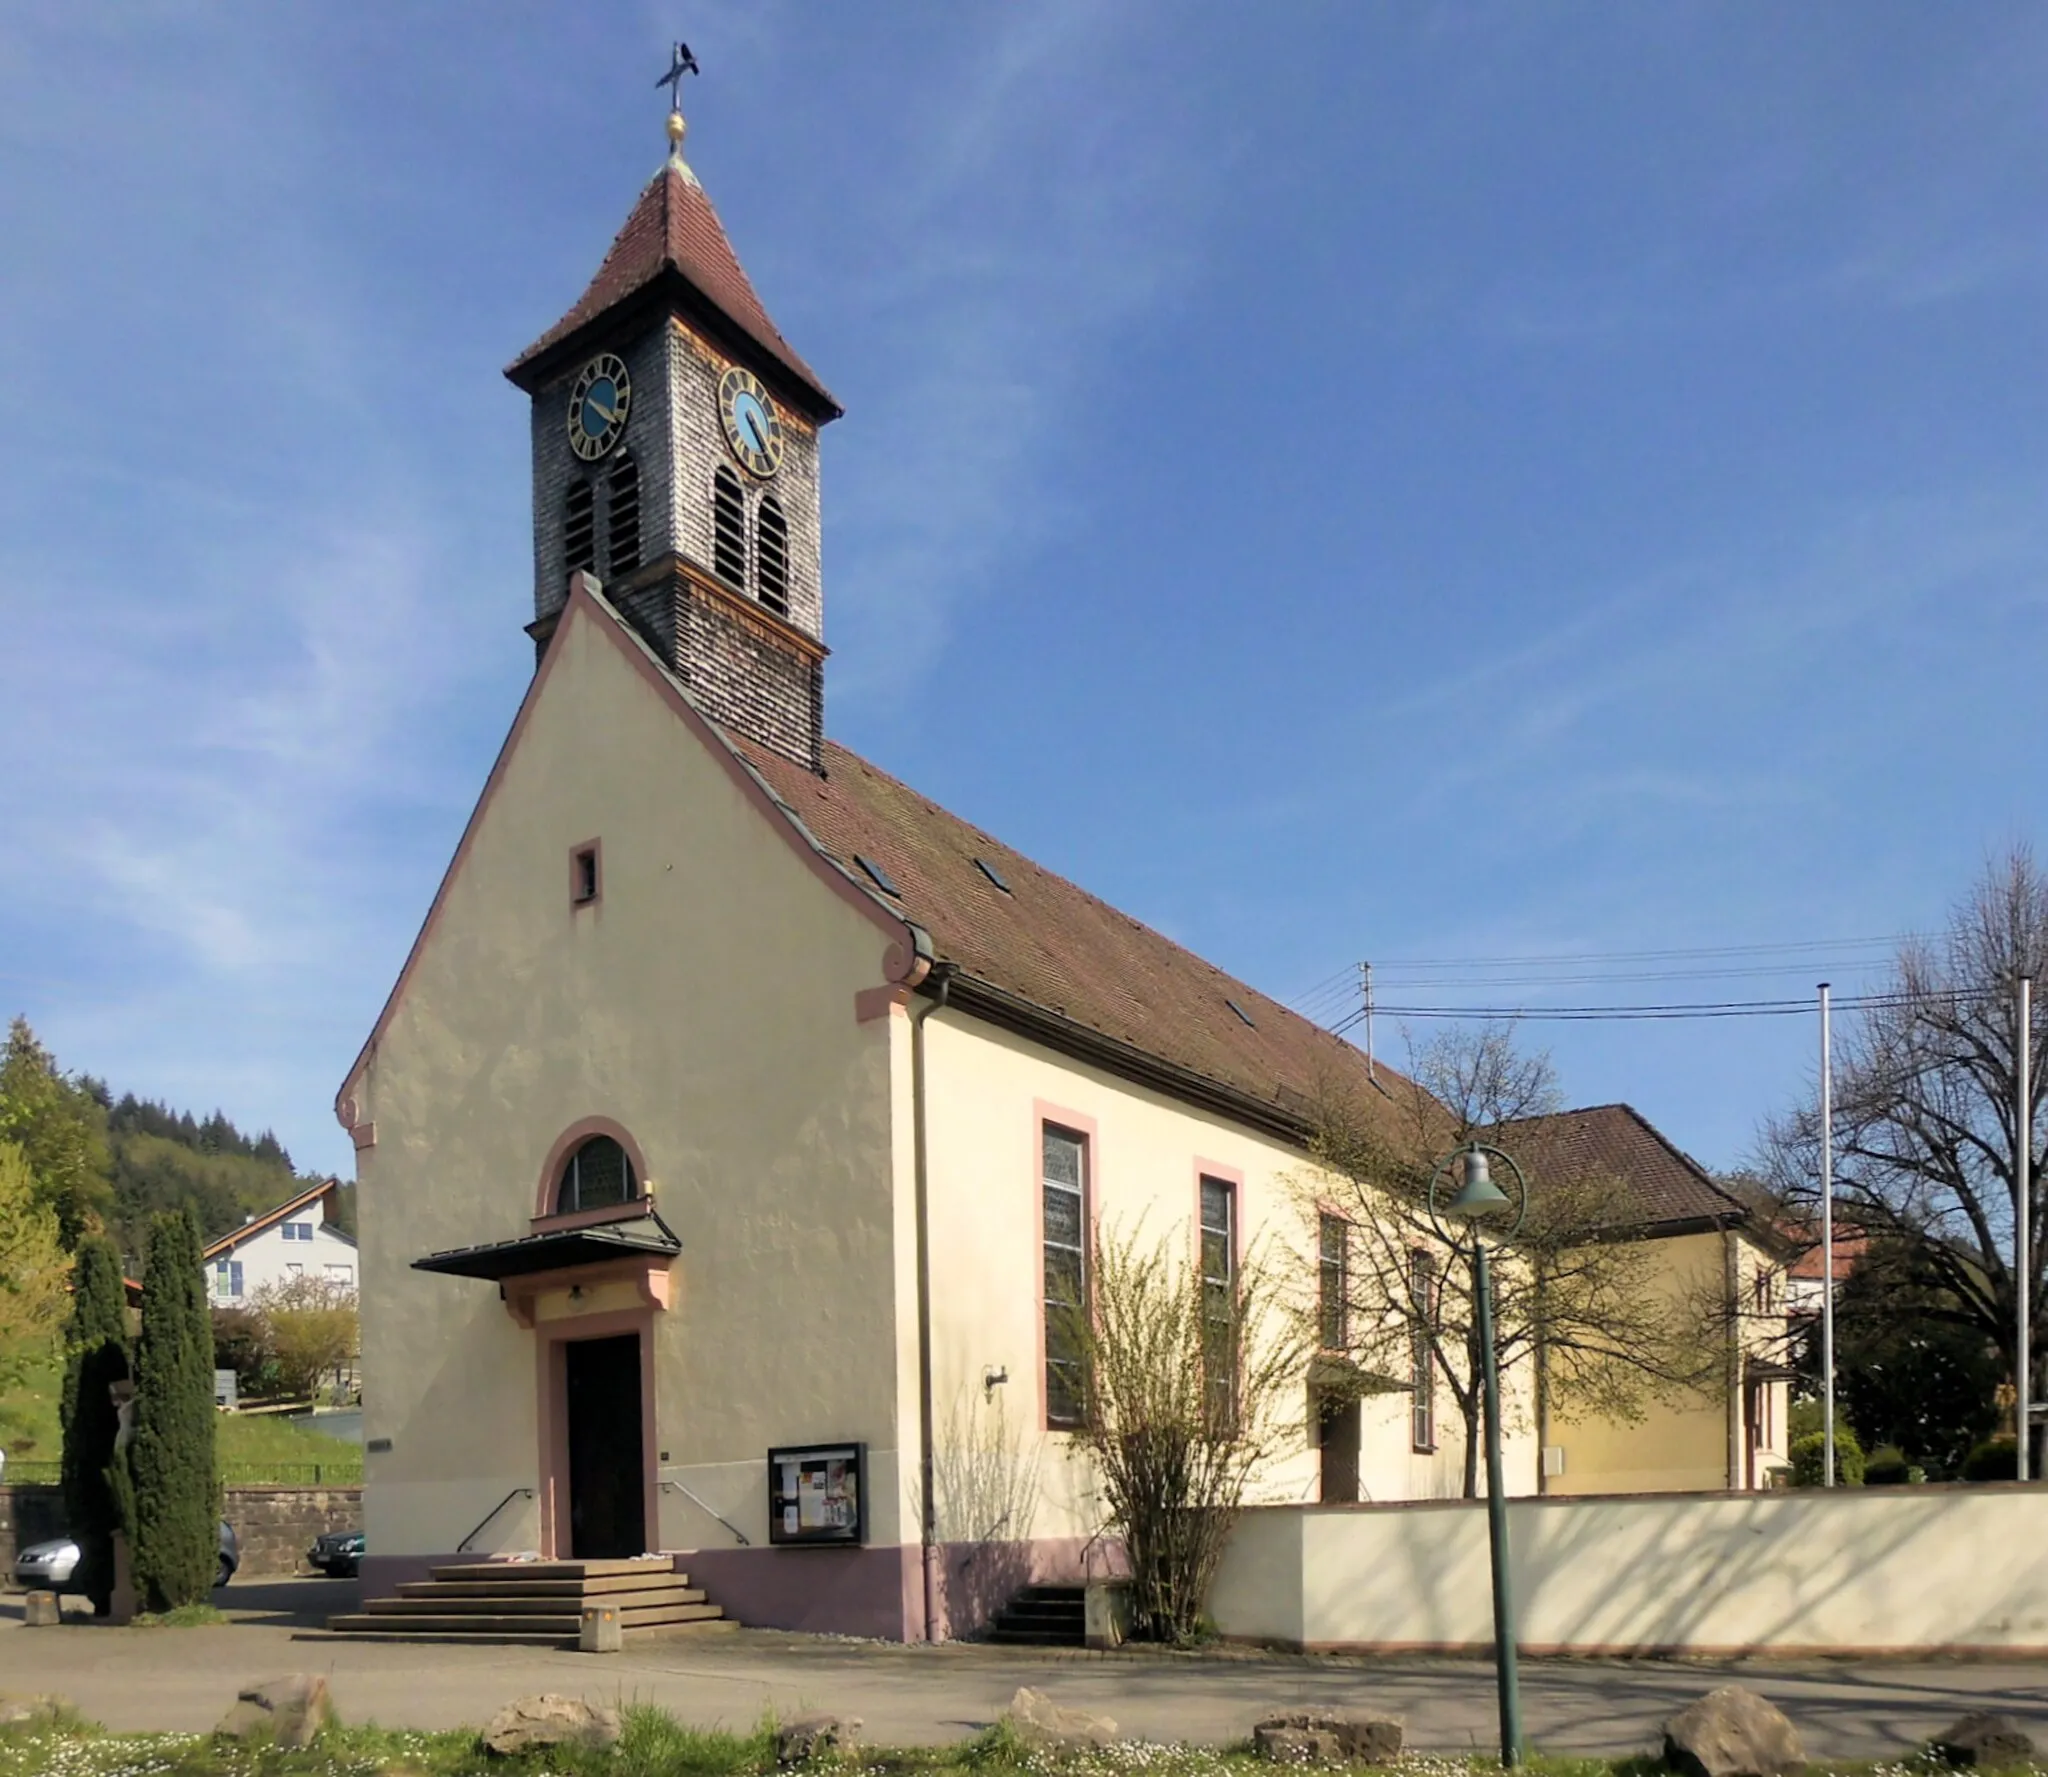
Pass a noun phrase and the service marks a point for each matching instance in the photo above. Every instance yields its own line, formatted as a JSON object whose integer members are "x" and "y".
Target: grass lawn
{"x": 253, "y": 1449}
{"x": 655, "y": 1744}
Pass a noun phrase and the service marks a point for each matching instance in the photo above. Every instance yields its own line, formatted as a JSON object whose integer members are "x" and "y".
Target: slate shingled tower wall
{"x": 672, "y": 301}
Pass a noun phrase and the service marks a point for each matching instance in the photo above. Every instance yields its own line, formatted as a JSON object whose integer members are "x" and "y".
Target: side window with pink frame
{"x": 1063, "y": 1184}
{"x": 596, "y": 1175}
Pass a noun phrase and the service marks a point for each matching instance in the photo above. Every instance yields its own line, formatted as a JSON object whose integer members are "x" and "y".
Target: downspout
{"x": 928, "y": 1508}
{"x": 1731, "y": 1285}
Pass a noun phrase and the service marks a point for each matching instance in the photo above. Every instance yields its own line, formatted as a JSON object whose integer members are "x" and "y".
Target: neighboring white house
{"x": 296, "y": 1239}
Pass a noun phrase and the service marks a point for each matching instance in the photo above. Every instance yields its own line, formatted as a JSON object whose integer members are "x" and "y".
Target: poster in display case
{"x": 818, "y": 1495}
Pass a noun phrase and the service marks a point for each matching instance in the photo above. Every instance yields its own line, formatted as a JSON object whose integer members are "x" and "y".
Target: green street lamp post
{"x": 1478, "y": 1196}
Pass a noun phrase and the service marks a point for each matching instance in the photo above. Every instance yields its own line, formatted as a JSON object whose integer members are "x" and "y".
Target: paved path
{"x": 185, "y": 1678}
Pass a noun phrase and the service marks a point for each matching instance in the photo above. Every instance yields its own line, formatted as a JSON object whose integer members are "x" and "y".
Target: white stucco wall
{"x": 1892, "y": 1569}
{"x": 706, "y": 1003}
{"x": 990, "y": 1090}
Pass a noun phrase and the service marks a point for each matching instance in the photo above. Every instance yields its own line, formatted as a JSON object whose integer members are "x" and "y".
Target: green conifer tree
{"x": 173, "y": 1493}
{"x": 95, "y": 1358}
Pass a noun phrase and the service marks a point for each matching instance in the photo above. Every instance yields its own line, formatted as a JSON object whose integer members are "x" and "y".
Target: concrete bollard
{"x": 600, "y": 1634}
{"x": 42, "y": 1611}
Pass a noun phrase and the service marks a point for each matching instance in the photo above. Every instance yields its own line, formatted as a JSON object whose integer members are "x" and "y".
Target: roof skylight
{"x": 996, "y": 876}
{"x": 883, "y": 882}
{"x": 1242, "y": 1013}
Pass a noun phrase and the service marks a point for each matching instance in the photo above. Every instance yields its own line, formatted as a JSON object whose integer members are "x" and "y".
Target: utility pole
{"x": 1365, "y": 987}
{"x": 2023, "y": 1243}
{"x": 1827, "y": 1244}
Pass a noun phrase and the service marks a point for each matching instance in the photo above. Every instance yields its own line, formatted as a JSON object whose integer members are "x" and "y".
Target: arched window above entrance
{"x": 596, "y": 1175}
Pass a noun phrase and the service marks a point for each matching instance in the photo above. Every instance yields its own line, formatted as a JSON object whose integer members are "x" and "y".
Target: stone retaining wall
{"x": 276, "y": 1525}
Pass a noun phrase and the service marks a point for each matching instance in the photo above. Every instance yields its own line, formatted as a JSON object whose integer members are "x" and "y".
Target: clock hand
{"x": 753, "y": 425}
{"x": 607, "y": 414}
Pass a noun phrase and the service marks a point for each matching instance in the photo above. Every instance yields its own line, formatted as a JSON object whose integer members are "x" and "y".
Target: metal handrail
{"x": 462, "y": 1548}
{"x": 738, "y": 1533}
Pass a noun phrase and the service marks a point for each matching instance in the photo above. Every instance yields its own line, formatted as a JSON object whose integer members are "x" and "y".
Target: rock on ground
{"x": 1985, "y": 1739}
{"x": 44, "y": 1706}
{"x": 1732, "y": 1732}
{"x": 1038, "y": 1721}
{"x": 1328, "y": 1737}
{"x": 534, "y": 1723}
{"x": 289, "y": 1711}
{"x": 815, "y": 1736}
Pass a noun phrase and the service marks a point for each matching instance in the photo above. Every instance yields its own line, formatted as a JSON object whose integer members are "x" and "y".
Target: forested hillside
{"x": 115, "y": 1162}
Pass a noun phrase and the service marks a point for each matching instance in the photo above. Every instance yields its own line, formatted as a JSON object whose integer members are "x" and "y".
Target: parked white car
{"x": 48, "y": 1566}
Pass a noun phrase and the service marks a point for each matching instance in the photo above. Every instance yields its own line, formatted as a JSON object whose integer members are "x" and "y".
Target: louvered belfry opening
{"x": 771, "y": 556}
{"x": 622, "y": 518}
{"x": 728, "y": 528}
{"x": 579, "y": 527}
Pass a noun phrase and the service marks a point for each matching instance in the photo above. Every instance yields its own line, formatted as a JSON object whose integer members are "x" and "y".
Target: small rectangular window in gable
{"x": 586, "y": 873}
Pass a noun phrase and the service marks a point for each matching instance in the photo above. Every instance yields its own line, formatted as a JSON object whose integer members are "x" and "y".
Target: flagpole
{"x": 1827, "y": 1245}
{"x": 2023, "y": 1256}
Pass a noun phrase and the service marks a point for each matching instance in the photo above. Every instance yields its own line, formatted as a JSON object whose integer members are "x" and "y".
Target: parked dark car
{"x": 47, "y": 1567}
{"x": 338, "y": 1554}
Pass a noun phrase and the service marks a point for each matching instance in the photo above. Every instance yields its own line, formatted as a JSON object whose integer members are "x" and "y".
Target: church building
{"x": 733, "y": 1136}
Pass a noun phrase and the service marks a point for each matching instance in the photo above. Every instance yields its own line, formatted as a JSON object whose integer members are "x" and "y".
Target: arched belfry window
{"x": 771, "y": 556}
{"x": 728, "y": 528}
{"x": 579, "y": 527}
{"x": 599, "y": 1173}
{"x": 622, "y": 518}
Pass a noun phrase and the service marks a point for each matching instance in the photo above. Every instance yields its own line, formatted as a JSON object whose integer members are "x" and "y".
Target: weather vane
{"x": 682, "y": 62}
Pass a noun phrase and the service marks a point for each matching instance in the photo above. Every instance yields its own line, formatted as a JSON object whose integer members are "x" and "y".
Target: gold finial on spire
{"x": 681, "y": 62}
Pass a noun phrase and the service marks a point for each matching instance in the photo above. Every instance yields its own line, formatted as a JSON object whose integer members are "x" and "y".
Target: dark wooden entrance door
{"x": 1340, "y": 1420}
{"x": 607, "y": 1459}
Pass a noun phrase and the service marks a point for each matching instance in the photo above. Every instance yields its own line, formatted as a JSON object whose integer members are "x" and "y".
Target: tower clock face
{"x": 752, "y": 431}
{"x": 597, "y": 407}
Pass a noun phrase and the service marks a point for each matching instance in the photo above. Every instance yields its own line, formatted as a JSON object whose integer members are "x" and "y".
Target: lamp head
{"x": 1478, "y": 1195}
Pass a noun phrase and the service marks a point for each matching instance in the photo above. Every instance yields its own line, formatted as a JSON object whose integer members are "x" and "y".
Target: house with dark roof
{"x": 737, "y": 1129}
{"x": 1710, "y": 1248}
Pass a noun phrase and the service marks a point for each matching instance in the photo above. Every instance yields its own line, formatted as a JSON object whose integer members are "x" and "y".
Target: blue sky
{"x": 1340, "y": 482}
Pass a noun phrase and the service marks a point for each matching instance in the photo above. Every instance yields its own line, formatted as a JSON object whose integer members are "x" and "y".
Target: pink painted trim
{"x": 577, "y": 898}
{"x": 650, "y": 1273}
{"x": 364, "y": 1135}
{"x": 878, "y": 1002}
{"x": 551, "y": 1373}
{"x": 1042, "y": 1113}
{"x": 900, "y": 961}
{"x": 568, "y": 1142}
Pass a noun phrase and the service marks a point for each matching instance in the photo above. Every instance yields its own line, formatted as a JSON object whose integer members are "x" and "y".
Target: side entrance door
{"x": 607, "y": 1457}
{"x": 1339, "y": 1424}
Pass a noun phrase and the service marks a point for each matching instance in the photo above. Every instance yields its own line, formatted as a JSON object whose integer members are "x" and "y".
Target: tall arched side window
{"x": 579, "y": 527}
{"x": 598, "y": 1174}
{"x": 728, "y": 528}
{"x": 771, "y": 556}
{"x": 622, "y": 518}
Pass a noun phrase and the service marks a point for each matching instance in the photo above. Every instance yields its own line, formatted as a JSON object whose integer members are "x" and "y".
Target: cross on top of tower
{"x": 681, "y": 62}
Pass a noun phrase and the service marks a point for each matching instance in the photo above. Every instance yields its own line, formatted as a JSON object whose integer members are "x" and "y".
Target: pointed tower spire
{"x": 675, "y": 452}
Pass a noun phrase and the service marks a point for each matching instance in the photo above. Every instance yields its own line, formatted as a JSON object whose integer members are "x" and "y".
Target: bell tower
{"x": 675, "y": 456}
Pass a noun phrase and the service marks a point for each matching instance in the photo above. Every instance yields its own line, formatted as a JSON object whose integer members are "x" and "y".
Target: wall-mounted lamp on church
{"x": 992, "y": 1378}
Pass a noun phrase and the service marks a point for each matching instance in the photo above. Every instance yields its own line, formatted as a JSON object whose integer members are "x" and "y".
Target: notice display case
{"x": 818, "y": 1495}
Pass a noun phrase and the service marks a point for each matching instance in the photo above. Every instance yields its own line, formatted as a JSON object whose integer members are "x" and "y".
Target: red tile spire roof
{"x": 674, "y": 232}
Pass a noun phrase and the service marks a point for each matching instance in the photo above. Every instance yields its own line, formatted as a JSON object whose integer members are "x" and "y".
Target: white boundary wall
{"x": 1857, "y": 1570}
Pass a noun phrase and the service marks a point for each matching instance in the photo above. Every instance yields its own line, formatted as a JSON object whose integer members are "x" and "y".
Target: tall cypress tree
{"x": 95, "y": 1358}
{"x": 174, "y": 1487}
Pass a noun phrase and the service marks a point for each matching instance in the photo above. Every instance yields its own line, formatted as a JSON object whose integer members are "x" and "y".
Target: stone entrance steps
{"x": 539, "y": 1602}
{"x": 1043, "y": 1616}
